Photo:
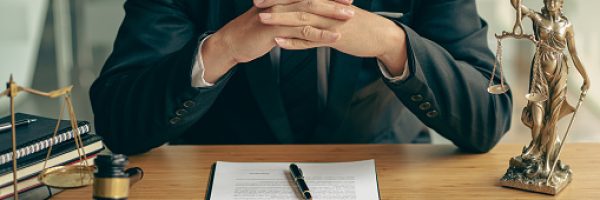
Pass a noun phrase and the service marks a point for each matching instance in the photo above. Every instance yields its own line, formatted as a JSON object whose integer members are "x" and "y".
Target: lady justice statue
{"x": 538, "y": 168}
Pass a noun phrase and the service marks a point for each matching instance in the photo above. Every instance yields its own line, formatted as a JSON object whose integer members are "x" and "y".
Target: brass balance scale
{"x": 517, "y": 33}
{"x": 72, "y": 176}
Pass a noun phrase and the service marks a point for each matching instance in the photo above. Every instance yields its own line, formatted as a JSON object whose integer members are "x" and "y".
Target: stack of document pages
{"x": 272, "y": 181}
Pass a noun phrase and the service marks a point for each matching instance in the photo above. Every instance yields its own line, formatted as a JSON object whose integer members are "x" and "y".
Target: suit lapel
{"x": 344, "y": 71}
{"x": 263, "y": 83}
{"x": 343, "y": 78}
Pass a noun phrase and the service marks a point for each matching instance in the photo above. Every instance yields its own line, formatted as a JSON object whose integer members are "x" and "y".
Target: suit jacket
{"x": 144, "y": 98}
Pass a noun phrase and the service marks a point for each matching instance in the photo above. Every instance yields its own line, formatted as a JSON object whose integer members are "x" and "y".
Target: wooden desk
{"x": 405, "y": 171}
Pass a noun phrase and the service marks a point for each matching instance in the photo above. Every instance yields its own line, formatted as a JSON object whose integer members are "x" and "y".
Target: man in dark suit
{"x": 238, "y": 72}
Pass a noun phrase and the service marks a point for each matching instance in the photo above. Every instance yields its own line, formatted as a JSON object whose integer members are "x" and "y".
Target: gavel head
{"x": 110, "y": 179}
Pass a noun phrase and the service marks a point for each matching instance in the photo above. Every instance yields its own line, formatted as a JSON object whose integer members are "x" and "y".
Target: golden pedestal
{"x": 528, "y": 174}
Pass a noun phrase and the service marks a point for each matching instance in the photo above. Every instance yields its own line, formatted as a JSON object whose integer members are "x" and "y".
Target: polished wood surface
{"x": 404, "y": 171}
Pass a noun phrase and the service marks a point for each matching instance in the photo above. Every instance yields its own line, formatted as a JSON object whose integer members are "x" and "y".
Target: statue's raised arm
{"x": 524, "y": 11}
{"x": 517, "y": 31}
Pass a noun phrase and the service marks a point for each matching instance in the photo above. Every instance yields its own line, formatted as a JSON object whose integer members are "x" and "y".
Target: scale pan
{"x": 536, "y": 97}
{"x": 497, "y": 89}
{"x": 68, "y": 176}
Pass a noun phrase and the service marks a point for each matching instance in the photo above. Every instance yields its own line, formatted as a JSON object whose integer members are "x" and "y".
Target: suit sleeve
{"x": 450, "y": 65}
{"x": 143, "y": 97}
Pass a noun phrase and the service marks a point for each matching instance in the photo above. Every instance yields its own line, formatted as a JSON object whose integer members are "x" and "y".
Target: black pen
{"x": 7, "y": 126}
{"x": 299, "y": 179}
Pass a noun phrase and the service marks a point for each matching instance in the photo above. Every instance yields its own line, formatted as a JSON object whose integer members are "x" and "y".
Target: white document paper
{"x": 272, "y": 181}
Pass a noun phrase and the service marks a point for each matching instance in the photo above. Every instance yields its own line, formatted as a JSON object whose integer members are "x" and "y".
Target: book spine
{"x": 44, "y": 144}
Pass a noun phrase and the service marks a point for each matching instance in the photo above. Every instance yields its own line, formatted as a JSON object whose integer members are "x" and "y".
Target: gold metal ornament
{"x": 68, "y": 176}
{"x": 60, "y": 176}
{"x": 538, "y": 168}
{"x": 502, "y": 87}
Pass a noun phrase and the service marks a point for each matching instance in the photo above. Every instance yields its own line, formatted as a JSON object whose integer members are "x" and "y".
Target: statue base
{"x": 529, "y": 174}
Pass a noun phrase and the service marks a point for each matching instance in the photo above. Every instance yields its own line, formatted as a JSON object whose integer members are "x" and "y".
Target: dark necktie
{"x": 298, "y": 84}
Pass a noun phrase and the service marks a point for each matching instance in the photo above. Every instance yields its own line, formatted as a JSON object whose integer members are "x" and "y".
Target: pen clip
{"x": 296, "y": 172}
{"x": 300, "y": 173}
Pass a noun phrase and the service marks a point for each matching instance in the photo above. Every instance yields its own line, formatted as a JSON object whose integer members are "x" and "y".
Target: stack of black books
{"x": 33, "y": 141}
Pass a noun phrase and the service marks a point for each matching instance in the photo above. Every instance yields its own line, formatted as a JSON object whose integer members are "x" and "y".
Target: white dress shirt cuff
{"x": 198, "y": 69}
{"x": 391, "y": 78}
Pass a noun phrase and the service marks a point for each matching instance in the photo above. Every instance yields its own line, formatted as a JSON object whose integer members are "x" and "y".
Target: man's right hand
{"x": 245, "y": 38}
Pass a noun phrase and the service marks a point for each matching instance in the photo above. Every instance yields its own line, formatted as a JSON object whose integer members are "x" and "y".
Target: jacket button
{"x": 181, "y": 112}
{"x": 189, "y": 104}
{"x": 425, "y": 106}
{"x": 174, "y": 120}
{"x": 432, "y": 114}
{"x": 416, "y": 98}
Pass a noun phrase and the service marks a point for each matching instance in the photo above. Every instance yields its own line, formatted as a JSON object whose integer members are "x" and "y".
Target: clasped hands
{"x": 305, "y": 24}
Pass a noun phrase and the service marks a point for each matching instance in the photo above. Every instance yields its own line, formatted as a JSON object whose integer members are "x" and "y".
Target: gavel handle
{"x": 135, "y": 175}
